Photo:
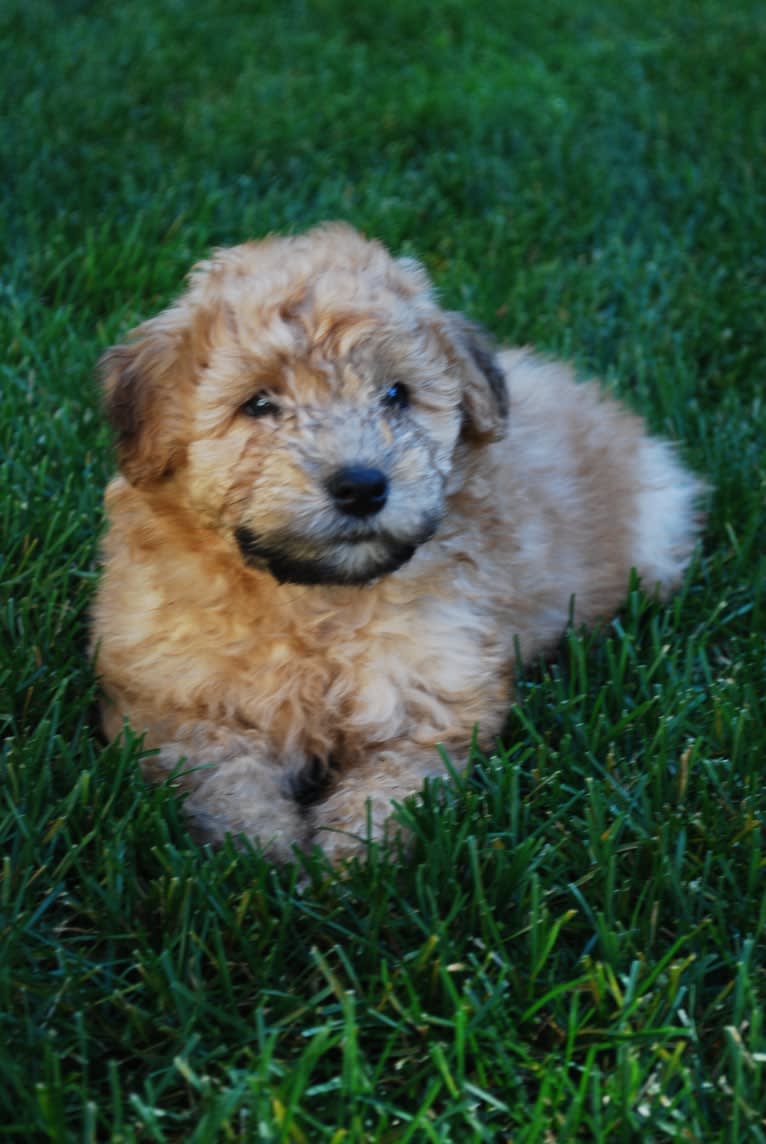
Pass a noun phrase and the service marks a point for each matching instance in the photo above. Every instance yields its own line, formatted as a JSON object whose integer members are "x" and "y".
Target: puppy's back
{"x": 592, "y": 495}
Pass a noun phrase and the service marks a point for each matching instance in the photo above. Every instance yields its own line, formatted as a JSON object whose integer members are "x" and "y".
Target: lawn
{"x": 576, "y": 947}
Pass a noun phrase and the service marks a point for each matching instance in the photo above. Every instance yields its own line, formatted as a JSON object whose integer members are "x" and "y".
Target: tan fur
{"x": 260, "y": 685}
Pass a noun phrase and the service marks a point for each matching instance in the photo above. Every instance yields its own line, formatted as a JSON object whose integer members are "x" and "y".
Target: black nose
{"x": 357, "y": 490}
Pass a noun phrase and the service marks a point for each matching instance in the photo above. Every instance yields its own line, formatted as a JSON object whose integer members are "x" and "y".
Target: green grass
{"x": 576, "y": 949}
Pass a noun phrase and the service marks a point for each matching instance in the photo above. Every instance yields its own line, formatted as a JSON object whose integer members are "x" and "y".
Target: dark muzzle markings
{"x": 385, "y": 555}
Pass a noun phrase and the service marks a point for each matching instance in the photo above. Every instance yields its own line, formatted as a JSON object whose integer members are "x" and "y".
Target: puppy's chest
{"x": 413, "y": 672}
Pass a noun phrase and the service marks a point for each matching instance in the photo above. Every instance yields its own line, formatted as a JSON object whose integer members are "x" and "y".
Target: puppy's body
{"x": 269, "y": 631}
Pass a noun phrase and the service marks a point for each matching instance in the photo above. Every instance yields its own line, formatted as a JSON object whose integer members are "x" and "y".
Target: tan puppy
{"x": 338, "y": 510}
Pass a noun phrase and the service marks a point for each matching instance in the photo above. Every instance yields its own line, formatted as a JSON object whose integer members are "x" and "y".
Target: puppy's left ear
{"x": 484, "y": 391}
{"x": 143, "y": 381}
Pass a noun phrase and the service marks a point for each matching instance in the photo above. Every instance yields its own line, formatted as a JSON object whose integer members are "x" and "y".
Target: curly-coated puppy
{"x": 339, "y": 512}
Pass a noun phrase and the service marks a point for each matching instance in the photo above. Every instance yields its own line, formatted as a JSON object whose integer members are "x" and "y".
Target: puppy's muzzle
{"x": 357, "y": 490}
{"x": 362, "y": 527}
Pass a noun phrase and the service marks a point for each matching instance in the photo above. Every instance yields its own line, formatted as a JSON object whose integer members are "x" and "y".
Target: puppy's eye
{"x": 260, "y": 406}
{"x": 397, "y": 396}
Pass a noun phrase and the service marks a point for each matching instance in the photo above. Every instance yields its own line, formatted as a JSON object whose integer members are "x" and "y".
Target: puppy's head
{"x": 306, "y": 397}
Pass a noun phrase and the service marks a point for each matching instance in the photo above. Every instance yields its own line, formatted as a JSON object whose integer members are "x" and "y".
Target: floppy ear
{"x": 143, "y": 384}
{"x": 485, "y": 392}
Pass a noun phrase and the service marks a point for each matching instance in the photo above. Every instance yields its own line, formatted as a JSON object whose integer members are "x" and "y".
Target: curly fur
{"x": 291, "y": 653}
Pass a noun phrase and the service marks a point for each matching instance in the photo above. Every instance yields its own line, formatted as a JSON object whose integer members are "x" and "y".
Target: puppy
{"x": 339, "y": 512}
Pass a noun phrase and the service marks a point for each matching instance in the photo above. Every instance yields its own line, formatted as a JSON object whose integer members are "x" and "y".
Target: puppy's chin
{"x": 343, "y": 563}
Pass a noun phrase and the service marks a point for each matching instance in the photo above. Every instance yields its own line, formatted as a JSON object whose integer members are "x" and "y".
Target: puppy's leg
{"x": 360, "y": 805}
{"x": 235, "y": 787}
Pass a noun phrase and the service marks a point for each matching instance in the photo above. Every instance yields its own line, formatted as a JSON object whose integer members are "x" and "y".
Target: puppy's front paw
{"x": 277, "y": 828}
{"x": 343, "y": 827}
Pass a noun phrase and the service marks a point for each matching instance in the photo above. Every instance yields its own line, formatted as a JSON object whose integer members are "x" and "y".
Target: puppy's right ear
{"x": 143, "y": 384}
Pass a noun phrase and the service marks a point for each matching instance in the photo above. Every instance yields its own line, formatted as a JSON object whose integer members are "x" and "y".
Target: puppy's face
{"x": 306, "y": 398}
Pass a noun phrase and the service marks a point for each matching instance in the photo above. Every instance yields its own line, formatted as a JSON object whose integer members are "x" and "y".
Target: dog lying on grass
{"x": 339, "y": 512}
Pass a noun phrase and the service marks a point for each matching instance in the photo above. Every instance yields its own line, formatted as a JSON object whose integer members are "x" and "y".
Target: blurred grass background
{"x": 576, "y": 949}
